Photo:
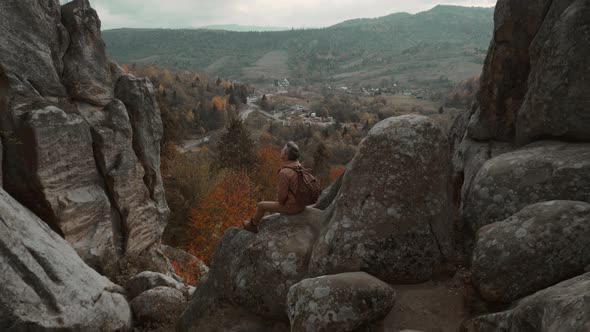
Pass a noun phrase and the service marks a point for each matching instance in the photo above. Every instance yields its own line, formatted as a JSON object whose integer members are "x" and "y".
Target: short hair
{"x": 292, "y": 151}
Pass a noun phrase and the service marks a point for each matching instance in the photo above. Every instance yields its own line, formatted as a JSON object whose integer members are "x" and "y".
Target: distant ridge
{"x": 242, "y": 28}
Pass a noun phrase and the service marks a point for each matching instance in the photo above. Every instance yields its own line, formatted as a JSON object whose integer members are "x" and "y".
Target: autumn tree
{"x": 268, "y": 162}
{"x": 231, "y": 200}
{"x": 235, "y": 147}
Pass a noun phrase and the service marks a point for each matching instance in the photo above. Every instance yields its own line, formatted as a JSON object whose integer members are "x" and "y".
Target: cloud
{"x": 287, "y": 13}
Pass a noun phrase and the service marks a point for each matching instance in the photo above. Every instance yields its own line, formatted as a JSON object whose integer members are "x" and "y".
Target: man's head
{"x": 290, "y": 151}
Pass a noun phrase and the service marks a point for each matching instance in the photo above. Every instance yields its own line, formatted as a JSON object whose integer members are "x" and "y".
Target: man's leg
{"x": 266, "y": 206}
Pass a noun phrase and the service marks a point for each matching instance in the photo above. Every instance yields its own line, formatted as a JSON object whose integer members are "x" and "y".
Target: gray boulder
{"x": 45, "y": 284}
{"x": 541, "y": 245}
{"x": 391, "y": 217}
{"x": 562, "y": 307}
{"x": 33, "y": 43}
{"x": 148, "y": 280}
{"x": 87, "y": 73}
{"x": 557, "y": 103}
{"x": 542, "y": 171}
{"x": 138, "y": 96}
{"x": 340, "y": 302}
{"x": 255, "y": 272}
{"x": 160, "y": 306}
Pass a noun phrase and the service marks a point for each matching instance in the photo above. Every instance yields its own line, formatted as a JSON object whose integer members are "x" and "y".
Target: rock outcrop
{"x": 563, "y": 307}
{"x": 147, "y": 280}
{"x": 391, "y": 216}
{"x": 160, "y": 306}
{"x": 539, "y": 172}
{"x": 45, "y": 284}
{"x": 340, "y": 302}
{"x": 541, "y": 245}
{"x": 84, "y": 162}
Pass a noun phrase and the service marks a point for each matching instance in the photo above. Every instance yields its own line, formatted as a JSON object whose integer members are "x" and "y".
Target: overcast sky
{"x": 284, "y": 13}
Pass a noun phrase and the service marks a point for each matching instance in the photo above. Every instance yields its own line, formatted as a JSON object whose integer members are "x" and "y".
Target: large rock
{"x": 341, "y": 302}
{"x": 87, "y": 73}
{"x": 113, "y": 150}
{"x": 542, "y": 171}
{"x": 255, "y": 272}
{"x": 557, "y": 102}
{"x": 33, "y": 43}
{"x": 158, "y": 306}
{"x": 391, "y": 217}
{"x": 503, "y": 82}
{"x": 45, "y": 284}
{"x": 541, "y": 245}
{"x": 148, "y": 280}
{"x": 62, "y": 185}
{"x": 138, "y": 96}
{"x": 563, "y": 307}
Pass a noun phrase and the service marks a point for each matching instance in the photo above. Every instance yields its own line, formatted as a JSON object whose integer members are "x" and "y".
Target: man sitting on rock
{"x": 287, "y": 187}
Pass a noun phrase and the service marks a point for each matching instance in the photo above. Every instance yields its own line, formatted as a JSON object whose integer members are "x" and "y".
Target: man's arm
{"x": 283, "y": 187}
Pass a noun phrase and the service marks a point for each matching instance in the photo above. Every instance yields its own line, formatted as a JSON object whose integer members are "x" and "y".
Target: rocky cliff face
{"x": 80, "y": 137}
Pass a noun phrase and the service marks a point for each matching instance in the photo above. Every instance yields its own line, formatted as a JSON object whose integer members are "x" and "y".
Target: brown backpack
{"x": 308, "y": 187}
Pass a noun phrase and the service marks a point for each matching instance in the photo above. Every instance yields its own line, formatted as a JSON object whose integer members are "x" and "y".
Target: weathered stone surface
{"x": 138, "y": 96}
{"x": 542, "y": 171}
{"x": 231, "y": 319}
{"x": 45, "y": 284}
{"x": 541, "y": 245}
{"x": 340, "y": 302}
{"x": 147, "y": 280}
{"x": 138, "y": 228}
{"x": 66, "y": 187}
{"x": 1, "y": 161}
{"x": 87, "y": 73}
{"x": 557, "y": 103}
{"x": 33, "y": 43}
{"x": 563, "y": 307}
{"x": 255, "y": 272}
{"x": 503, "y": 82}
{"x": 183, "y": 258}
{"x": 158, "y": 306}
{"x": 280, "y": 253}
{"x": 391, "y": 217}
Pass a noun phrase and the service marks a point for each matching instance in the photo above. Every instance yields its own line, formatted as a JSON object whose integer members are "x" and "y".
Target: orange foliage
{"x": 335, "y": 173}
{"x": 231, "y": 200}
{"x": 186, "y": 271}
{"x": 218, "y": 103}
{"x": 125, "y": 68}
{"x": 266, "y": 173}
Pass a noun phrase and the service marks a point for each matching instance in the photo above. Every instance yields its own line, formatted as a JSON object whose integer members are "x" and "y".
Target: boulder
{"x": 45, "y": 284}
{"x": 340, "y": 302}
{"x": 542, "y": 171}
{"x": 87, "y": 73}
{"x": 255, "y": 272}
{"x": 391, "y": 217}
{"x": 158, "y": 306}
{"x": 541, "y": 245}
{"x": 148, "y": 280}
{"x": 562, "y": 307}
{"x": 275, "y": 260}
{"x": 1, "y": 161}
{"x": 557, "y": 104}
{"x": 138, "y": 96}
{"x": 328, "y": 194}
{"x": 112, "y": 137}
{"x": 33, "y": 43}
{"x": 61, "y": 184}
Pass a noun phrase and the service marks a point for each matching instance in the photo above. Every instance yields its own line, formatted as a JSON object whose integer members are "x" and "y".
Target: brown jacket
{"x": 287, "y": 185}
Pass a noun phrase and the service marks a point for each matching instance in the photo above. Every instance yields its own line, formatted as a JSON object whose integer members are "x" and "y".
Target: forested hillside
{"x": 444, "y": 43}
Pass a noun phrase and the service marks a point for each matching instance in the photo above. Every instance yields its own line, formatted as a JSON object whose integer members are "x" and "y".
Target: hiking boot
{"x": 250, "y": 226}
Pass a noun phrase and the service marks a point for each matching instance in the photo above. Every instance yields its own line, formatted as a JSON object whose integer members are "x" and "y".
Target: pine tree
{"x": 236, "y": 148}
{"x": 321, "y": 167}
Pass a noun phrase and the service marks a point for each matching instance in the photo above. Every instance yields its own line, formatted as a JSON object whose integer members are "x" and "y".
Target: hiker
{"x": 288, "y": 185}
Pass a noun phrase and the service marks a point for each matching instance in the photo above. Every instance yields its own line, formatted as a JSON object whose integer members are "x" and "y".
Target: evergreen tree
{"x": 236, "y": 148}
{"x": 321, "y": 167}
